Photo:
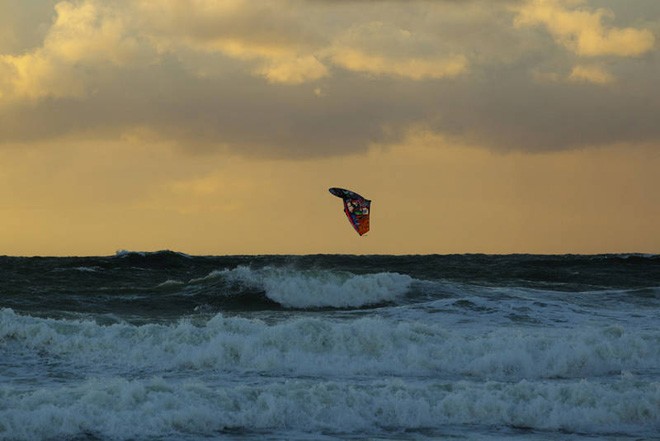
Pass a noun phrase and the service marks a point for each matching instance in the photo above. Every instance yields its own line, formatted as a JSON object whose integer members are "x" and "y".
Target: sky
{"x": 216, "y": 127}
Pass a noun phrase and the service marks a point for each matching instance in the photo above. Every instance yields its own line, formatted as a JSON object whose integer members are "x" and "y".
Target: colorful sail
{"x": 356, "y": 207}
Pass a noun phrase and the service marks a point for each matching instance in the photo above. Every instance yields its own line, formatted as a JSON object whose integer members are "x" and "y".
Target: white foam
{"x": 123, "y": 381}
{"x": 82, "y": 269}
{"x": 124, "y": 253}
{"x": 170, "y": 283}
{"x": 315, "y": 346}
{"x": 117, "y": 408}
{"x": 319, "y": 289}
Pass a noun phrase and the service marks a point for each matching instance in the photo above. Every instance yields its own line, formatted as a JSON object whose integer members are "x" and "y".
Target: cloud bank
{"x": 294, "y": 78}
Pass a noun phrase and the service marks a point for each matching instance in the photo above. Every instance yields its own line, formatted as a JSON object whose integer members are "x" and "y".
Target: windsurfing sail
{"x": 356, "y": 207}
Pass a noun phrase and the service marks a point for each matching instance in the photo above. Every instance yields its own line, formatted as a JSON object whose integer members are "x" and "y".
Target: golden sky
{"x": 216, "y": 127}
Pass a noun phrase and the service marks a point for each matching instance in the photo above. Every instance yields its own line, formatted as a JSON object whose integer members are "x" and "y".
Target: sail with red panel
{"x": 356, "y": 207}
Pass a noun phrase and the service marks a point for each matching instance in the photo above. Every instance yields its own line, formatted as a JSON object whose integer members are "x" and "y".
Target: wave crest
{"x": 319, "y": 289}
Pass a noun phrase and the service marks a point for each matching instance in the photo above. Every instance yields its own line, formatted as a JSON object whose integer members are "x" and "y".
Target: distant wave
{"x": 82, "y": 269}
{"x": 153, "y": 259}
{"x": 170, "y": 283}
{"x": 124, "y": 253}
{"x": 319, "y": 289}
{"x": 151, "y": 254}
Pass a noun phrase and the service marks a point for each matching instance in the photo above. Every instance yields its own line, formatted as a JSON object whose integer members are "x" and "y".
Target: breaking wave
{"x": 155, "y": 379}
{"x": 318, "y": 289}
{"x": 368, "y": 346}
{"x": 166, "y": 346}
{"x": 128, "y": 409}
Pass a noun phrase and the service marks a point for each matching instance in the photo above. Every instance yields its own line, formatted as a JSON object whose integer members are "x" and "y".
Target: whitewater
{"x": 168, "y": 346}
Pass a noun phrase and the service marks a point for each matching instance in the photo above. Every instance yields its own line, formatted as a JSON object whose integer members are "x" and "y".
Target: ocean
{"x": 168, "y": 346}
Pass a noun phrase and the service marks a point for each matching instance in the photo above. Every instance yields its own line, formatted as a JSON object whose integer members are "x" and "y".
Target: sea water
{"x": 167, "y": 346}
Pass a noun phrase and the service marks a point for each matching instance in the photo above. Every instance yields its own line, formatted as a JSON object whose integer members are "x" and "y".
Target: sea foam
{"x": 319, "y": 289}
{"x": 161, "y": 408}
{"x": 369, "y": 346}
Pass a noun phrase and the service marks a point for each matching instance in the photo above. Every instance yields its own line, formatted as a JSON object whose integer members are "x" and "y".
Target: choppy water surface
{"x": 165, "y": 346}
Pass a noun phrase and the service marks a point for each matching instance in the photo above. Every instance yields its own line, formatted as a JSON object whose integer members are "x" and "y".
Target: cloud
{"x": 304, "y": 79}
{"x": 83, "y": 35}
{"x": 23, "y": 24}
{"x": 199, "y": 73}
{"x": 581, "y": 73}
{"x": 377, "y": 48}
{"x": 591, "y": 74}
{"x": 264, "y": 33}
{"x": 582, "y": 31}
{"x": 413, "y": 68}
{"x": 295, "y": 70}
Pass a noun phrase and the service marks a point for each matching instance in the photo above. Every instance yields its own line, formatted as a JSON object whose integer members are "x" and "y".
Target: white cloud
{"x": 582, "y": 30}
{"x": 296, "y": 70}
{"x": 581, "y": 73}
{"x": 83, "y": 36}
{"x": 206, "y": 75}
{"x": 591, "y": 74}
{"x": 387, "y": 49}
{"x": 266, "y": 35}
{"x": 287, "y": 44}
{"x": 411, "y": 68}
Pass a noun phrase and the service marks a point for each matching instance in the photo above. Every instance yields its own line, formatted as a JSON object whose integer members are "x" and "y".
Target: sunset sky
{"x": 216, "y": 127}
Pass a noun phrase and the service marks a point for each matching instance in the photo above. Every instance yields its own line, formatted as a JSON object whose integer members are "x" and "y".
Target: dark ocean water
{"x": 166, "y": 346}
